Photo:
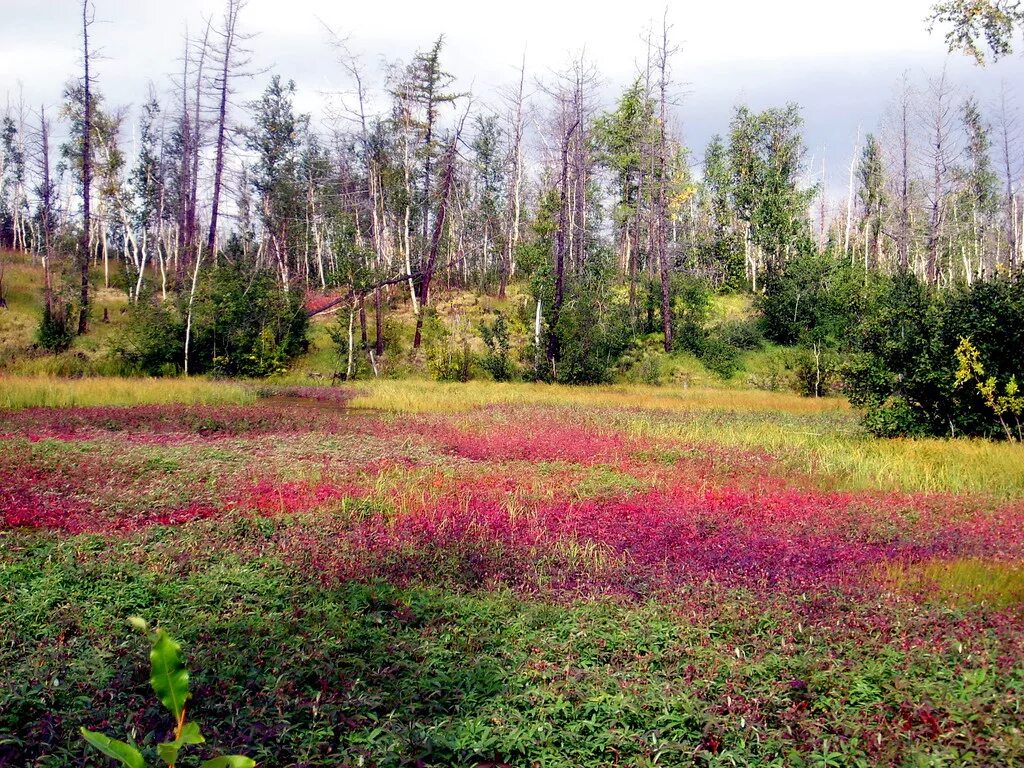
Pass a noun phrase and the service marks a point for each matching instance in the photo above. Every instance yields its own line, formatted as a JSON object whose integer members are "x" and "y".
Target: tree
{"x": 664, "y": 53}
{"x": 425, "y": 86}
{"x": 980, "y": 182}
{"x": 86, "y": 166}
{"x": 871, "y": 178}
{"x": 721, "y": 247}
{"x": 939, "y": 116}
{"x": 227, "y": 56}
{"x": 979, "y": 24}
{"x": 275, "y": 140}
{"x": 766, "y": 158}
{"x": 625, "y": 137}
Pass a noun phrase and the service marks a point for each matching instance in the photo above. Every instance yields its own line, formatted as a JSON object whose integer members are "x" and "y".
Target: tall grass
{"x": 834, "y": 449}
{"x": 31, "y": 391}
{"x": 969, "y": 580}
{"x": 417, "y": 396}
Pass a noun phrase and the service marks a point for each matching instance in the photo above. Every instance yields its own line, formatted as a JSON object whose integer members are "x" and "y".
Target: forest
{"x": 433, "y": 427}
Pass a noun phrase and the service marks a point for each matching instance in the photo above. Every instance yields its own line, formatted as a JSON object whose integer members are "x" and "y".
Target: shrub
{"x": 745, "y": 334}
{"x": 55, "y": 332}
{"x": 449, "y": 357}
{"x": 243, "y": 324}
{"x": 905, "y": 375}
{"x": 152, "y": 337}
{"x": 691, "y": 307}
{"x": 498, "y": 360}
{"x": 719, "y": 356}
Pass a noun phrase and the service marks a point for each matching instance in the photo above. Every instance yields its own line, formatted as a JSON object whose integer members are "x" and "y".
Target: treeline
{"x": 410, "y": 183}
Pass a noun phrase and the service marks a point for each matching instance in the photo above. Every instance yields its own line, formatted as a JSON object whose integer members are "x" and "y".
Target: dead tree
{"x": 226, "y": 51}
{"x": 560, "y": 242}
{"x": 1008, "y": 137}
{"x": 83, "y": 245}
{"x": 664, "y": 54}
{"x": 439, "y": 225}
{"x": 940, "y": 118}
{"x": 45, "y": 193}
{"x": 515, "y": 166}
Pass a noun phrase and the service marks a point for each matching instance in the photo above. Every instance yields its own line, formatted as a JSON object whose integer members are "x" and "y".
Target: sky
{"x": 840, "y": 61}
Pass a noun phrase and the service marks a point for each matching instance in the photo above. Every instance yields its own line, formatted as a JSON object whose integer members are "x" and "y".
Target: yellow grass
{"x": 817, "y": 437}
{"x": 838, "y": 450}
{"x": 963, "y": 581}
{"x": 417, "y": 396}
{"x": 30, "y": 391}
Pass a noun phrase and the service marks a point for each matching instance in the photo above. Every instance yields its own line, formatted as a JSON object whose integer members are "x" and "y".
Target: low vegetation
{"x": 561, "y": 576}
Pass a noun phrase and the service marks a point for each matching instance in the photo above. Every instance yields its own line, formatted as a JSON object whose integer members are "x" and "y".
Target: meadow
{"x": 423, "y": 574}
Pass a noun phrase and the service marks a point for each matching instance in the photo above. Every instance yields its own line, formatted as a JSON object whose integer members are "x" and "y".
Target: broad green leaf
{"x": 169, "y": 750}
{"x": 126, "y": 753}
{"x": 169, "y": 677}
{"x": 229, "y": 761}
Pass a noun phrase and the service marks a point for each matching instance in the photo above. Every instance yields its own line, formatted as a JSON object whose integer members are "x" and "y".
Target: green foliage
{"x": 978, "y": 24}
{"x": 691, "y": 309}
{"x": 1008, "y": 404}
{"x": 449, "y": 357}
{"x": 170, "y": 682}
{"x": 498, "y": 359}
{"x": 151, "y": 340}
{"x": 243, "y": 324}
{"x": 744, "y": 334}
{"x": 721, "y": 246}
{"x": 719, "y": 356}
{"x": 766, "y": 160}
{"x": 812, "y": 299}
{"x": 56, "y": 331}
{"x": 593, "y": 327}
{"x": 905, "y": 372}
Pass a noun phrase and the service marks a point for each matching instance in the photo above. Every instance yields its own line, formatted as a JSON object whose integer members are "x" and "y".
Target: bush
{"x": 498, "y": 359}
{"x": 152, "y": 338}
{"x": 719, "y": 356}
{"x": 905, "y": 373}
{"x": 243, "y": 324}
{"x": 812, "y": 299}
{"x": 743, "y": 334}
{"x": 691, "y": 307}
{"x": 55, "y": 333}
{"x": 449, "y": 357}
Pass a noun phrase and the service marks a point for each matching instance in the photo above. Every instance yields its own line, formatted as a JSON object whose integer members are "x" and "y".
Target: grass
{"x": 43, "y": 391}
{"x": 966, "y": 581}
{"x": 419, "y": 396}
{"x": 820, "y": 437}
{"x": 833, "y": 447}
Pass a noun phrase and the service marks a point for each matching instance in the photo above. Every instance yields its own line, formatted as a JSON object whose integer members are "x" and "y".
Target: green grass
{"x": 294, "y": 672}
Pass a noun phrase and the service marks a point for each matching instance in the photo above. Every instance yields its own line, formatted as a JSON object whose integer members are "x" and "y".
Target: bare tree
{"x": 1008, "y": 136}
{"x": 83, "y": 246}
{"x": 227, "y": 55}
{"x": 515, "y": 174}
{"x": 940, "y": 119}
{"x": 898, "y": 134}
{"x": 664, "y": 52}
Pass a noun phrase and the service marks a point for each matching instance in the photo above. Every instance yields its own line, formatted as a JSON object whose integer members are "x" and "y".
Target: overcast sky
{"x": 840, "y": 61}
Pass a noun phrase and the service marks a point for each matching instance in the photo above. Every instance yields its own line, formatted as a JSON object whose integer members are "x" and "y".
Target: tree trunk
{"x": 83, "y": 246}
